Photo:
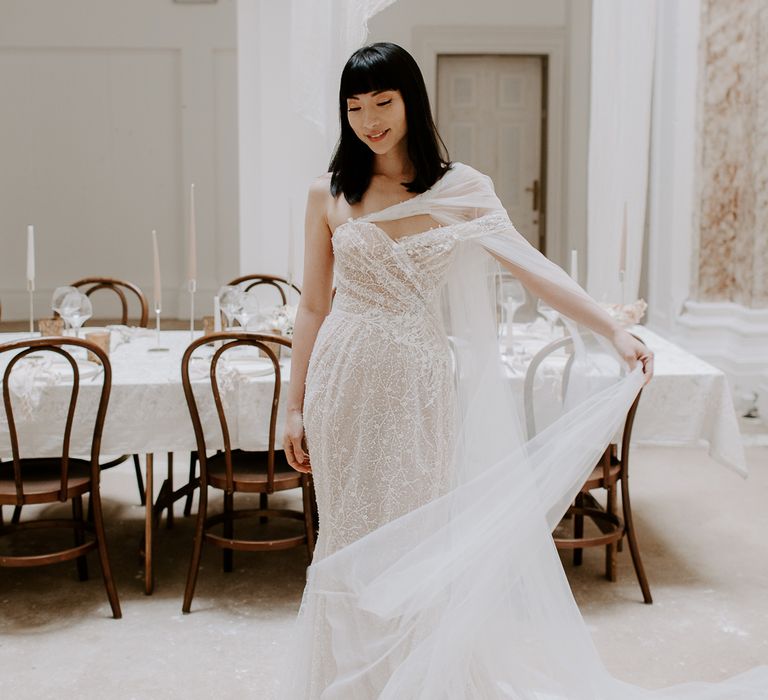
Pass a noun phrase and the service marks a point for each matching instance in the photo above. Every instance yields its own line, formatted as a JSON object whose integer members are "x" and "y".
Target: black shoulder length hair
{"x": 386, "y": 66}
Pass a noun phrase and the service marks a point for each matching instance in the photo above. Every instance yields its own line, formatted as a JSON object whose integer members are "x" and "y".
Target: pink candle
{"x": 192, "y": 262}
{"x": 31, "y": 256}
{"x": 623, "y": 252}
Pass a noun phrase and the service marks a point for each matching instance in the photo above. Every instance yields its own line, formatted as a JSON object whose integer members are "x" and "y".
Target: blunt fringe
{"x": 386, "y": 66}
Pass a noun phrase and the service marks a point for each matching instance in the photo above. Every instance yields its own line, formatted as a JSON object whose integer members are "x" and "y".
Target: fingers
{"x": 296, "y": 456}
{"x": 647, "y": 361}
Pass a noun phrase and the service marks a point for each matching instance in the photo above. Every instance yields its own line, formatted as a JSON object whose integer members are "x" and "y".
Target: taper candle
{"x": 291, "y": 244}
{"x": 31, "y": 256}
{"x": 216, "y": 314}
{"x": 623, "y": 252}
{"x": 192, "y": 262}
{"x": 158, "y": 286}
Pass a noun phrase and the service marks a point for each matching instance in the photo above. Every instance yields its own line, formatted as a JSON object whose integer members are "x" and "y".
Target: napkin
{"x": 28, "y": 379}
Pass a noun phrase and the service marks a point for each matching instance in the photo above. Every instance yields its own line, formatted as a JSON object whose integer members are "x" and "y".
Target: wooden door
{"x": 491, "y": 114}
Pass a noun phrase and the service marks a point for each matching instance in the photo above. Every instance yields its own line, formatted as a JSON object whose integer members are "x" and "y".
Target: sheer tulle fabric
{"x": 446, "y": 584}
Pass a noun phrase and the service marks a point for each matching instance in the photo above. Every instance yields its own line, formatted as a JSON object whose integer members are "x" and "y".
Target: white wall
{"x": 110, "y": 110}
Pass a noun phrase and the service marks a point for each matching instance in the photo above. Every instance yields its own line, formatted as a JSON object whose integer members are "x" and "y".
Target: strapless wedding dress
{"x": 435, "y": 576}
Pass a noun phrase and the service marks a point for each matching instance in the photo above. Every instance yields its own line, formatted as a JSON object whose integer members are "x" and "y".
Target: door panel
{"x": 491, "y": 114}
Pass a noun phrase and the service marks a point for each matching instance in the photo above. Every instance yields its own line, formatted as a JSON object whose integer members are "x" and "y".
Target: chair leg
{"x": 309, "y": 525}
{"x": 229, "y": 531}
{"x": 610, "y": 549}
{"x": 101, "y": 540}
{"x": 169, "y": 522}
{"x": 77, "y": 516}
{"x": 634, "y": 547}
{"x": 578, "y": 530}
{"x": 315, "y": 514}
{"x": 197, "y": 549}
{"x": 16, "y": 515}
{"x": 190, "y": 495}
{"x": 263, "y": 504}
{"x": 140, "y": 480}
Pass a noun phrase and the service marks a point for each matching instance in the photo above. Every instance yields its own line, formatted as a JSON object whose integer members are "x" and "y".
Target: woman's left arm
{"x": 585, "y": 310}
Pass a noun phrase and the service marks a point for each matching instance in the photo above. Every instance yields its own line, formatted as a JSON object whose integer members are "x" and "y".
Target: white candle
{"x": 192, "y": 263}
{"x": 216, "y": 315}
{"x": 31, "y": 256}
{"x": 291, "y": 251}
{"x": 575, "y": 264}
{"x": 158, "y": 287}
{"x": 623, "y": 252}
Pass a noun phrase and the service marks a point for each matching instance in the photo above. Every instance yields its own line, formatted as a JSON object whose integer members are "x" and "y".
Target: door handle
{"x": 534, "y": 188}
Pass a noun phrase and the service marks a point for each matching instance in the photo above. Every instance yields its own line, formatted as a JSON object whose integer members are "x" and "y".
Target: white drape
{"x": 324, "y": 33}
{"x": 623, "y": 37}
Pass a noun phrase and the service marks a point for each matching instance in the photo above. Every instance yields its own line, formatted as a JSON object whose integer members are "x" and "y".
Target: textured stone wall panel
{"x": 734, "y": 152}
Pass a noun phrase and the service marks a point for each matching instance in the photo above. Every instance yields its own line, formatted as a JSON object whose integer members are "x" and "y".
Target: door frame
{"x": 550, "y": 42}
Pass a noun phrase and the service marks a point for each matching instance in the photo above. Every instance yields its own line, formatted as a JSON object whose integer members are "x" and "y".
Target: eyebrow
{"x": 375, "y": 92}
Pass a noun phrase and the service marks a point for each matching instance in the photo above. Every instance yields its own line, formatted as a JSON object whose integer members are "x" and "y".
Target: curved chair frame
{"x": 610, "y": 470}
{"x": 75, "y": 477}
{"x": 279, "y": 283}
{"x": 232, "y": 482}
{"x": 117, "y": 286}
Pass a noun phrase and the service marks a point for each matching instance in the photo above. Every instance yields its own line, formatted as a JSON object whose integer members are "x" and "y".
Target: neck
{"x": 395, "y": 163}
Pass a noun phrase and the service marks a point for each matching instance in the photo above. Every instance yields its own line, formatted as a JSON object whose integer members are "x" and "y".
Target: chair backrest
{"x": 22, "y": 348}
{"x": 279, "y": 283}
{"x": 530, "y": 376}
{"x": 118, "y": 287}
{"x": 230, "y": 340}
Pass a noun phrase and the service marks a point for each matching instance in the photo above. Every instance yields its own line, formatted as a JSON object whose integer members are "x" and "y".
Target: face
{"x": 378, "y": 119}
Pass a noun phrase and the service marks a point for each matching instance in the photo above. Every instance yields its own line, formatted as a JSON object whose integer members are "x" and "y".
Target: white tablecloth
{"x": 688, "y": 403}
{"x": 147, "y": 410}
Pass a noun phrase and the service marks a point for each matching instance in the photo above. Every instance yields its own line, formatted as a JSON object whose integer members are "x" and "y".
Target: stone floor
{"x": 703, "y": 536}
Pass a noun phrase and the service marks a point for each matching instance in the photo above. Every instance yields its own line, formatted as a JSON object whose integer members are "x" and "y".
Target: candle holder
{"x": 192, "y": 286}
{"x": 31, "y": 290}
{"x": 158, "y": 347}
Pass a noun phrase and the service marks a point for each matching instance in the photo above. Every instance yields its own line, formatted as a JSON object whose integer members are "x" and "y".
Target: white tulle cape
{"x": 465, "y": 597}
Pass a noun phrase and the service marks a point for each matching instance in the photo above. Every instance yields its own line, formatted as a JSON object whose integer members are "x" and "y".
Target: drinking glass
{"x": 59, "y": 295}
{"x": 548, "y": 313}
{"x": 249, "y": 308}
{"x": 515, "y": 298}
{"x": 76, "y": 309}
{"x": 230, "y": 303}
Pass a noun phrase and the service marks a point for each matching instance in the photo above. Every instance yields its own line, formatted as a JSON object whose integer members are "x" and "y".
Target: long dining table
{"x": 147, "y": 412}
{"x": 687, "y": 404}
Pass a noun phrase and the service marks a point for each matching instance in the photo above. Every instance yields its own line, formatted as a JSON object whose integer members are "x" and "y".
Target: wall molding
{"x": 732, "y": 337}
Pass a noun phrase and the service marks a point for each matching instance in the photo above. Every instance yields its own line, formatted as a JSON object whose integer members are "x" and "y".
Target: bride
{"x": 435, "y": 574}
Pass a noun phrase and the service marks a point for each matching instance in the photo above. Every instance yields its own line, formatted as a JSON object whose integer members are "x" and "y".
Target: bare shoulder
{"x": 319, "y": 200}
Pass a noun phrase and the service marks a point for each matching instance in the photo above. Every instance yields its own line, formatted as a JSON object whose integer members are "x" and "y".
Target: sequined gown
{"x": 379, "y": 407}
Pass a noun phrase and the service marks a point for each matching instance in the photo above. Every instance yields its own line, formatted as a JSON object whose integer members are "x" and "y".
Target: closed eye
{"x": 378, "y": 104}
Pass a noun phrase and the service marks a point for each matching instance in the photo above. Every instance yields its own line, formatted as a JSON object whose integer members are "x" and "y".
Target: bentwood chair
{"x": 121, "y": 289}
{"x": 28, "y": 481}
{"x": 248, "y": 282}
{"x": 611, "y": 471}
{"x": 238, "y": 471}
{"x": 280, "y": 284}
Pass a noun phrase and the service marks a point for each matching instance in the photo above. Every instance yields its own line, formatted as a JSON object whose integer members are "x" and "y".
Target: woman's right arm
{"x": 313, "y": 307}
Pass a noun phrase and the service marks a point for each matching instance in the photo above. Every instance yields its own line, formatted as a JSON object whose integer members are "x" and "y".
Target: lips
{"x": 378, "y": 136}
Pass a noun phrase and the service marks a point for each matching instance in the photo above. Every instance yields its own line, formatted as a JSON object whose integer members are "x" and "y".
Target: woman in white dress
{"x": 427, "y": 581}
